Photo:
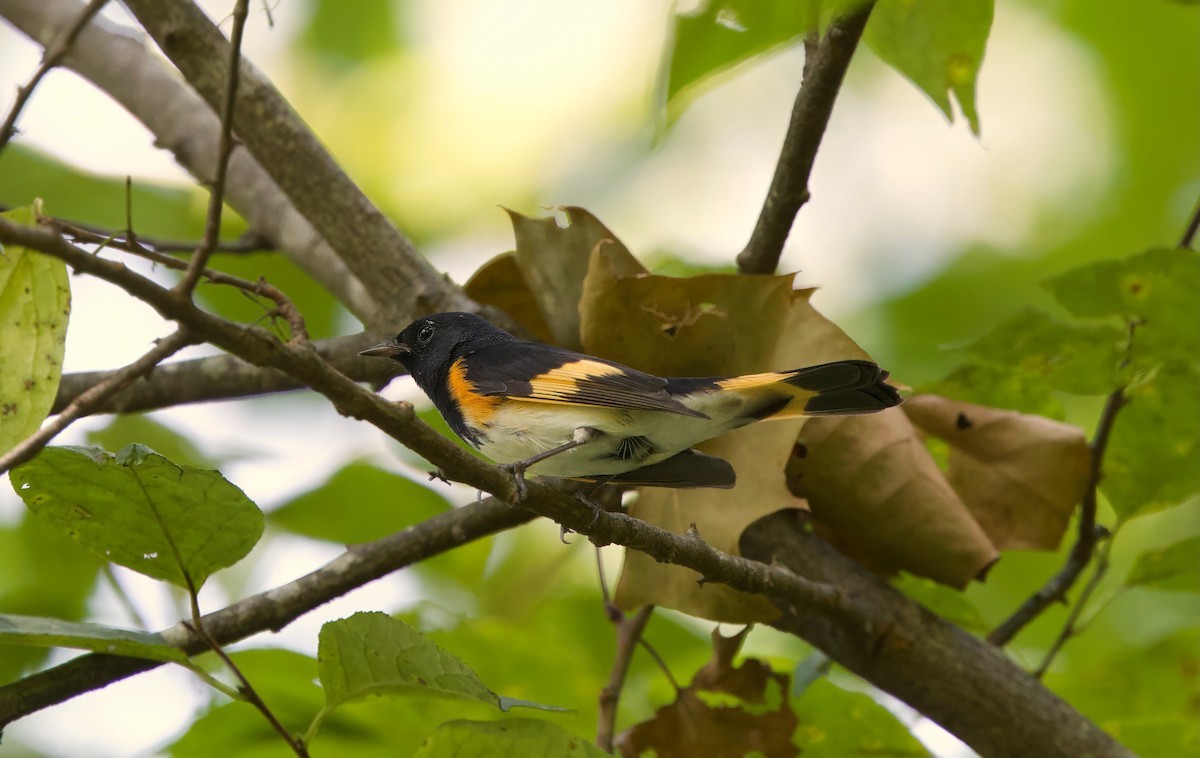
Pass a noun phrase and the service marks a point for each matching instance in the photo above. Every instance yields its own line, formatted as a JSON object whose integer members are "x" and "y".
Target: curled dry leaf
{"x": 1020, "y": 475}
{"x": 727, "y": 710}
{"x": 500, "y": 284}
{"x": 872, "y": 482}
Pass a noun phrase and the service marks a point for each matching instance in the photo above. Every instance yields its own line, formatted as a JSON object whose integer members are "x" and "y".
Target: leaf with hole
{"x": 138, "y": 509}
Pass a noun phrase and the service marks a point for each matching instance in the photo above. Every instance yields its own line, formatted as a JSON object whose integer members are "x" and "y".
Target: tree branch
{"x": 53, "y": 55}
{"x": 968, "y": 686}
{"x": 273, "y": 609}
{"x": 810, "y": 115}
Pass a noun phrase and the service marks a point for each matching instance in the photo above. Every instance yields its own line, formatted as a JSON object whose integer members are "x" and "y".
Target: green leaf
{"x": 937, "y": 44}
{"x": 528, "y": 738}
{"x": 1156, "y": 289}
{"x": 48, "y": 632}
{"x": 835, "y": 722}
{"x": 375, "y": 654}
{"x": 1174, "y": 567}
{"x": 359, "y": 503}
{"x": 1082, "y": 359}
{"x": 1153, "y": 458}
{"x": 169, "y": 522}
{"x": 35, "y": 302}
{"x": 724, "y": 33}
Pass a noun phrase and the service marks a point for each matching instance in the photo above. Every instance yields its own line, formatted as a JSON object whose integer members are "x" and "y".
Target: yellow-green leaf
{"x": 35, "y": 302}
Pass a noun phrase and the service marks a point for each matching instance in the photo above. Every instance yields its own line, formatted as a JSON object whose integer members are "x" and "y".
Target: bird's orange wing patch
{"x": 563, "y": 383}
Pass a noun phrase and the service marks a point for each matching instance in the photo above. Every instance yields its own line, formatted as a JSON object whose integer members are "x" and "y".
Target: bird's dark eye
{"x": 425, "y": 334}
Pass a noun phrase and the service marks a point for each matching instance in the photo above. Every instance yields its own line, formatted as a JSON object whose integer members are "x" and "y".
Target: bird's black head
{"x": 429, "y": 346}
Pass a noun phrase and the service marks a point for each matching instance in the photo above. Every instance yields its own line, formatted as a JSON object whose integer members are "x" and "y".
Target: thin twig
{"x": 1189, "y": 234}
{"x": 132, "y": 243}
{"x": 245, "y": 688}
{"x": 216, "y": 197}
{"x": 1087, "y": 536}
{"x": 629, "y": 635}
{"x": 80, "y": 406}
{"x": 823, "y": 76}
{"x": 51, "y": 58}
{"x": 1070, "y": 629}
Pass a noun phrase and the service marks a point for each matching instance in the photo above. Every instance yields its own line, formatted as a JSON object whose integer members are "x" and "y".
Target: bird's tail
{"x": 841, "y": 388}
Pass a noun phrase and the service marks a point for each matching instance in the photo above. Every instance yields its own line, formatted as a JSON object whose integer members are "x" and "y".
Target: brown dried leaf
{"x": 500, "y": 284}
{"x": 872, "y": 481}
{"x": 707, "y": 326}
{"x": 1020, "y": 475}
{"x": 691, "y": 726}
{"x": 554, "y": 261}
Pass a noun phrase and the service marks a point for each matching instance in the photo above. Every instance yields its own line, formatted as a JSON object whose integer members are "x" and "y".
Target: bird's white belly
{"x": 518, "y": 432}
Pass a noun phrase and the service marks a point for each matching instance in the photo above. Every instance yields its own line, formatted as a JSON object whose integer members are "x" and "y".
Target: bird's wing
{"x": 546, "y": 374}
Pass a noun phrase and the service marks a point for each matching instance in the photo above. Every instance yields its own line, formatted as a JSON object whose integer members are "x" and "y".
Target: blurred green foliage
{"x": 524, "y": 613}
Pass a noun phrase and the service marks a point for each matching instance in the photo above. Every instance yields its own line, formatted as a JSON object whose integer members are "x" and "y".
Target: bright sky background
{"x": 897, "y": 191}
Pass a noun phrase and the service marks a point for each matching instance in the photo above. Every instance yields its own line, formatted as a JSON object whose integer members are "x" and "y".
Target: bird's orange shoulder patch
{"x": 475, "y": 408}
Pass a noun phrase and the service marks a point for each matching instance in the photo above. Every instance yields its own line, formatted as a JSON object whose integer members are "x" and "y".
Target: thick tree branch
{"x": 53, "y": 55}
{"x": 823, "y": 76}
{"x": 959, "y": 681}
{"x": 116, "y": 60}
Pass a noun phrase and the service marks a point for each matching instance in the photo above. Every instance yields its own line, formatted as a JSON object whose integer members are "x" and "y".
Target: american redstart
{"x": 546, "y": 410}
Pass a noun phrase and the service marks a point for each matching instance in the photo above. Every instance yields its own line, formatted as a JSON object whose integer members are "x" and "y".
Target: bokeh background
{"x": 921, "y": 236}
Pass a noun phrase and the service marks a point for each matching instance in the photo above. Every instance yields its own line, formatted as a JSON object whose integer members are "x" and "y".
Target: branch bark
{"x": 810, "y": 115}
{"x": 959, "y": 681}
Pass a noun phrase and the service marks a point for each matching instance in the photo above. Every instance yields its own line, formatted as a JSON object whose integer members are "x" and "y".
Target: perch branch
{"x": 810, "y": 115}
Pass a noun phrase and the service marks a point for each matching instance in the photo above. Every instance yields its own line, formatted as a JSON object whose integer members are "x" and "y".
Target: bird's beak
{"x": 389, "y": 349}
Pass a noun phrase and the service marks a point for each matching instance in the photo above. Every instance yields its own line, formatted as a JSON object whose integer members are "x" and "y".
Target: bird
{"x": 539, "y": 409}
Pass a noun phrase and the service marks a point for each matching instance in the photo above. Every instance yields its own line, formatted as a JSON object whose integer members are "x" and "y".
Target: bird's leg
{"x": 582, "y": 435}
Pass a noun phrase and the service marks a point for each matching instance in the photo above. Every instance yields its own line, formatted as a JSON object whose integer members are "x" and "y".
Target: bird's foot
{"x": 517, "y": 471}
